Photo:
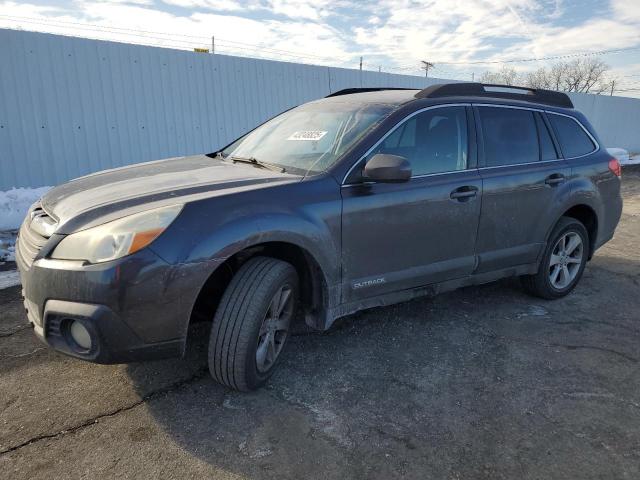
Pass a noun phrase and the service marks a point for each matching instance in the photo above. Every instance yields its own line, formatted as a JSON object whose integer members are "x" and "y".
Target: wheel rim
{"x": 565, "y": 261}
{"x": 274, "y": 328}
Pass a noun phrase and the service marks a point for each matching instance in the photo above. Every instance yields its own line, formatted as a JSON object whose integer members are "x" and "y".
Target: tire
{"x": 542, "y": 284}
{"x": 246, "y": 318}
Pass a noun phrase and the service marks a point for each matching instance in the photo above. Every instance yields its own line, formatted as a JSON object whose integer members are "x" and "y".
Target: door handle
{"x": 462, "y": 194}
{"x": 554, "y": 179}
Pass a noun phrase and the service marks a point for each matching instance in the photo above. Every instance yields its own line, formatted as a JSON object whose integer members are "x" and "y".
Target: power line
{"x": 150, "y": 35}
{"x": 153, "y": 35}
{"x": 82, "y": 24}
{"x": 185, "y": 45}
{"x": 540, "y": 59}
{"x": 535, "y": 59}
{"x": 112, "y": 29}
{"x": 191, "y": 41}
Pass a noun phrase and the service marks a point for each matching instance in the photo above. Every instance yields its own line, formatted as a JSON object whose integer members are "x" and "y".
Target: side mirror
{"x": 387, "y": 169}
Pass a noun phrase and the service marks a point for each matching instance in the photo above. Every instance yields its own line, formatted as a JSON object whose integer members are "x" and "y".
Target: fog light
{"x": 80, "y": 335}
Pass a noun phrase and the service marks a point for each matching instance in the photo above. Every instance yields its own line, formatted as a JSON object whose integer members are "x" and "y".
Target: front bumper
{"x": 135, "y": 308}
{"x": 112, "y": 341}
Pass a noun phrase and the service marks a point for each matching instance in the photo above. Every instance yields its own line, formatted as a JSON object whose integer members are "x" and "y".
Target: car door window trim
{"x": 390, "y": 131}
{"x": 540, "y": 162}
{"x": 514, "y": 107}
{"x": 414, "y": 177}
{"x": 549, "y": 112}
{"x": 417, "y": 112}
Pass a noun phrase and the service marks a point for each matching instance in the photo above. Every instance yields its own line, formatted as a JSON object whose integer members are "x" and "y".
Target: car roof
{"x": 475, "y": 92}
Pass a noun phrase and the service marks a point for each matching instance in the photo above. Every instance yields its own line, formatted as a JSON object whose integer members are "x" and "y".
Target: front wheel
{"x": 252, "y": 323}
{"x": 563, "y": 262}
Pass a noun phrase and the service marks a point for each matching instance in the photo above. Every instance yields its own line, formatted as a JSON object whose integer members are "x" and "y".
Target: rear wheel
{"x": 563, "y": 262}
{"x": 252, "y": 323}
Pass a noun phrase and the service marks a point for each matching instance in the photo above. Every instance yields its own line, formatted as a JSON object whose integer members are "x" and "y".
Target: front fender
{"x": 317, "y": 240}
{"x": 305, "y": 214}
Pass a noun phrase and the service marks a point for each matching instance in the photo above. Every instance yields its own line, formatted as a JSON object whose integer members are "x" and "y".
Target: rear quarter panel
{"x": 594, "y": 185}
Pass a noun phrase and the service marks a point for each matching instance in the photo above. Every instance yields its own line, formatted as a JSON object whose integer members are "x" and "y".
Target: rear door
{"x": 523, "y": 175}
{"x": 398, "y": 236}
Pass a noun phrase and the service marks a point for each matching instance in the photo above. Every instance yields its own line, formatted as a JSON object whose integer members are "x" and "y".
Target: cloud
{"x": 293, "y": 9}
{"x": 220, "y": 5}
{"x": 395, "y": 34}
{"x": 627, "y": 11}
{"x": 302, "y": 40}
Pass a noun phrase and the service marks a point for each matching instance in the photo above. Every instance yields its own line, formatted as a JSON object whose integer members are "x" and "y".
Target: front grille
{"x": 30, "y": 241}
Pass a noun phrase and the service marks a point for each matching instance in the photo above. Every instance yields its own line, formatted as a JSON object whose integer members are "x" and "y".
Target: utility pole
{"x": 473, "y": 76}
{"x": 613, "y": 84}
{"x": 360, "y": 63}
{"x": 426, "y": 66}
{"x": 213, "y": 44}
{"x": 379, "y": 69}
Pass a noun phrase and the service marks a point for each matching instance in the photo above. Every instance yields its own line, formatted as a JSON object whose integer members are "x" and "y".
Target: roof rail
{"x": 537, "y": 95}
{"x": 348, "y": 91}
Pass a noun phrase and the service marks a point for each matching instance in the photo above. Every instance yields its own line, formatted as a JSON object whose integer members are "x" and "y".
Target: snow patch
{"x": 14, "y": 205}
{"x": 634, "y": 159}
{"x": 8, "y": 246}
{"x": 624, "y": 157}
{"x": 9, "y": 279}
{"x": 620, "y": 153}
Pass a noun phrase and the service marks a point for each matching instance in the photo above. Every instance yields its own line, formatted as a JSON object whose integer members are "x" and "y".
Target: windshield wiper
{"x": 258, "y": 163}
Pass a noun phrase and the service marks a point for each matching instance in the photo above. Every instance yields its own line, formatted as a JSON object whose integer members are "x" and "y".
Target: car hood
{"x": 124, "y": 190}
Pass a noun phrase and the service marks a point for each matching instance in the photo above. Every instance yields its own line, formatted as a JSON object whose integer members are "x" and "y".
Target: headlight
{"x": 117, "y": 238}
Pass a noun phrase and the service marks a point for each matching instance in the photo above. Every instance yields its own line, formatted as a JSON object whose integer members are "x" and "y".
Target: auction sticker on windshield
{"x": 312, "y": 135}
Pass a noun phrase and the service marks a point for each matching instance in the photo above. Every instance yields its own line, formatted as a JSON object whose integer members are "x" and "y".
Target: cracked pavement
{"x": 484, "y": 382}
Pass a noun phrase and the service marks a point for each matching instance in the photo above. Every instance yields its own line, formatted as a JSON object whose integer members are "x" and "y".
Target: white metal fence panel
{"x": 616, "y": 119}
{"x": 71, "y": 106}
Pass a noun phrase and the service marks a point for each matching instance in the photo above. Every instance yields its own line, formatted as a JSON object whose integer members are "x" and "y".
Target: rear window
{"x": 510, "y": 136}
{"x": 574, "y": 141}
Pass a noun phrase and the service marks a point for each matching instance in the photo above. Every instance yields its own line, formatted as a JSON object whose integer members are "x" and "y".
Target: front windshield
{"x": 310, "y": 138}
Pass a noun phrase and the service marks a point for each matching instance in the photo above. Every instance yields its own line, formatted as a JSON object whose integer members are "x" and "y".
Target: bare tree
{"x": 552, "y": 78}
{"x": 587, "y": 75}
{"x": 505, "y": 76}
{"x": 580, "y": 75}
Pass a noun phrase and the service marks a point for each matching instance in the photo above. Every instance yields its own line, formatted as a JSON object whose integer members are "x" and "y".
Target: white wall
{"x": 616, "y": 119}
{"x": 71, "y": 106}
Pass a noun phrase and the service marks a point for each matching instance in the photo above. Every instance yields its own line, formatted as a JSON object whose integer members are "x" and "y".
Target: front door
{"x": 405, "y": 235}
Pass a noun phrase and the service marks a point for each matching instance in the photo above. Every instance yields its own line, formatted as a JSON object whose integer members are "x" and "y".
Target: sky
{"x": 390, "y": 35}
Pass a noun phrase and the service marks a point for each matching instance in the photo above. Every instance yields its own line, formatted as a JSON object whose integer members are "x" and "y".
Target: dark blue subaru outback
{"x": 367, "y": 197}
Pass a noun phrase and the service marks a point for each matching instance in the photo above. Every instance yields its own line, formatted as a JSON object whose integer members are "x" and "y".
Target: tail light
{"x": 614, "y": 166}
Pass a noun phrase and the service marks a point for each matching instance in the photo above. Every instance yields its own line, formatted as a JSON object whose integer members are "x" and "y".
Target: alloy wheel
{"x": 565, "y": 260}
{"x": 275, "y": 328}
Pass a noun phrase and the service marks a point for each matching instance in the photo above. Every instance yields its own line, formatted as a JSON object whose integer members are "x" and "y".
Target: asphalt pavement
{"x": 483, "y": 382}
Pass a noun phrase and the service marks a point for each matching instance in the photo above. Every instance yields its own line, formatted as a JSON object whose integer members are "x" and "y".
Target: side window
{"x": 574, "y": 141}
{"x": 434, "y": 141}
{"x": 510, "y": 136}
{"x": 547, "y": 148}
